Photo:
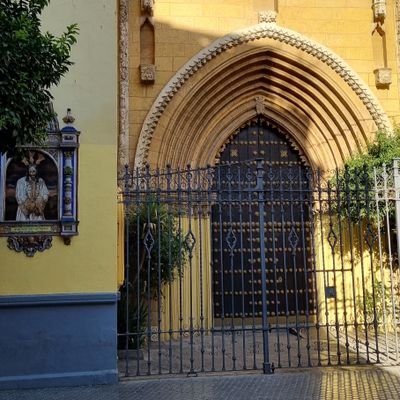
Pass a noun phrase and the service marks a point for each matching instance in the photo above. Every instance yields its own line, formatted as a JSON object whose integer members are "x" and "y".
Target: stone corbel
{"x": 148, "y": 7}
{"x": 379, "y": 10}
{"x": 379, "y": 7}
{"x": 268, "y": 17}
{"x": 383, "y": 77}
{"x": 147, "y": 73}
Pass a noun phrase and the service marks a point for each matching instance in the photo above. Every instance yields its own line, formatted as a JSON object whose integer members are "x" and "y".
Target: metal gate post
{"x": 267, "y": 369}
{"x": 396, "y": 176}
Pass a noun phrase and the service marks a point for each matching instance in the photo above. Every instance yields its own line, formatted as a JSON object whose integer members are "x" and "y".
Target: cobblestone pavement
{"x": 364, "y": 383}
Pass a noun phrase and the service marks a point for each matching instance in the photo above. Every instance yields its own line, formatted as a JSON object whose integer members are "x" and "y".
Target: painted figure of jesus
{"x": 31, "y": 194}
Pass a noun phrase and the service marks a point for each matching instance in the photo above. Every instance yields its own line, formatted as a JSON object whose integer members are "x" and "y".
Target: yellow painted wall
{"x": 183, "y": 28}
{"x": 351, "y": 267}
{"x": 90, "y": 89}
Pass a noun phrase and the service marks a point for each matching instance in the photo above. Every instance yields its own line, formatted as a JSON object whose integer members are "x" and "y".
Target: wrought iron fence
{"x": 258, "y": 266}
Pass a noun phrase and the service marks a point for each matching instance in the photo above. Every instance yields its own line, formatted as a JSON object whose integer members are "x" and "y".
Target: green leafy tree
{"x": 383, "y": 150}
{"x": 357, "y": 177}
{"x": 31, "y": 61}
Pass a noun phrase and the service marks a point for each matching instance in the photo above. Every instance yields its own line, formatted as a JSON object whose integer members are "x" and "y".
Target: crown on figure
{"x": 33, "y": 159}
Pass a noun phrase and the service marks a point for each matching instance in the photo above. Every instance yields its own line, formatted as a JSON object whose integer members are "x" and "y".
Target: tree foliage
{"x": 31, "y": 61}
{"x": 157, "y": 249}
{"x": 156, "y": 252}
{"x": 383, "y": 150}
{"x": 356, "y": 179}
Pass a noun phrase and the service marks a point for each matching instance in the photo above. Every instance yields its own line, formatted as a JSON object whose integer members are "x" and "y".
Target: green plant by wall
{"x": 156, "y": 252}
{"x": 383, "y": 150}
{"x": 376, "y": 303}
{"x": 356, "y": 179}
{"x": 157, "y": 249}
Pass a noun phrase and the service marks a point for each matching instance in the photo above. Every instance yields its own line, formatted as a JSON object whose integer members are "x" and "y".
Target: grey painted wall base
{"x": 58, "y": 340}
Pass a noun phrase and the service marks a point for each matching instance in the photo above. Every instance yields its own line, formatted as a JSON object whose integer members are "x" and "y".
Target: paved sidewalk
{"x": 366, "y": 383}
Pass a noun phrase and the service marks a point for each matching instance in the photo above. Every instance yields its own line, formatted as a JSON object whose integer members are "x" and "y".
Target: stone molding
{"x": 58, "y": 299}
{"x": 123, "y": 145}
{"x": 251, "y": 34}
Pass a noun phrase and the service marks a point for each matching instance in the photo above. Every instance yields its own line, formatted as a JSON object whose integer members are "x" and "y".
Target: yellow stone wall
{"x": 183, "y": 28}
{"x": 193, "y": 288}
{"x": 356, "y": 271}
{"x": 90, "y": 90}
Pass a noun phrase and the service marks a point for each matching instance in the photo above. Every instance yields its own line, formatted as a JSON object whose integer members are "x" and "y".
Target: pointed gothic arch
{"x": 293, "y": 81}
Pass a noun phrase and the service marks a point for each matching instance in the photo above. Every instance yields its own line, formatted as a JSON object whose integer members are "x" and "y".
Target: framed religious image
{"x": 38, "y": 191}
{"x": 31, "y": 189}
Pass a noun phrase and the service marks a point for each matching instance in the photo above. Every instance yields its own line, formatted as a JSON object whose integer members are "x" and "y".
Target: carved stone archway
{"x": 293, "y": 81}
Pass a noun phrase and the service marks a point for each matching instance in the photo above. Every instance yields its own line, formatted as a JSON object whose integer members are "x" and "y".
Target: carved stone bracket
{"x": 267, "y": 16}
{"x": 147, "y": 72}
{"x": 148, "y": 7}
{"x": 379, "y": 7}
{"x": 383, "y": 77}
{"x": 29, "y": 244}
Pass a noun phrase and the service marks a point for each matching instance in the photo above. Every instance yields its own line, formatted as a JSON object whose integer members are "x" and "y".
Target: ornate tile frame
{"x": 32, "y": 236}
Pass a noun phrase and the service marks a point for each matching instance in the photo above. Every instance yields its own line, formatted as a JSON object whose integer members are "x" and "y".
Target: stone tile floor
{"x": 217, "y": 353}
{"x": 336, "y": 383}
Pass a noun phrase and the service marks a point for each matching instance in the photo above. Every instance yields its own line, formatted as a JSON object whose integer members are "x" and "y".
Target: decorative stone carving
{"x": 260, "y": 105}
{"x": 267, "y": 16}
{"x": 147, "y": 52}
{"x": 379, "y": 7}
{"x": 29, "y": 244}
{"x": 254, "y": 33}
{"x": 147, "y": 72}
{"x": 123, "y": 145}
{"x": 383, "y": 77}
{"x": 148, "y": 7}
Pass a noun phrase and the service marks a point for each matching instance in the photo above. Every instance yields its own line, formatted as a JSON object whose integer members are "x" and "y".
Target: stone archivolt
{"x": 309, "y": 90}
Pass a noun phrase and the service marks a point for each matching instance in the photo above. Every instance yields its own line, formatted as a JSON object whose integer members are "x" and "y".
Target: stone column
{"x": 123, "y": 137}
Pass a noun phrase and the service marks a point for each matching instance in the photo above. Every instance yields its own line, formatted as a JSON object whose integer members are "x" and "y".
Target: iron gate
{"x": 253, "y": 265}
